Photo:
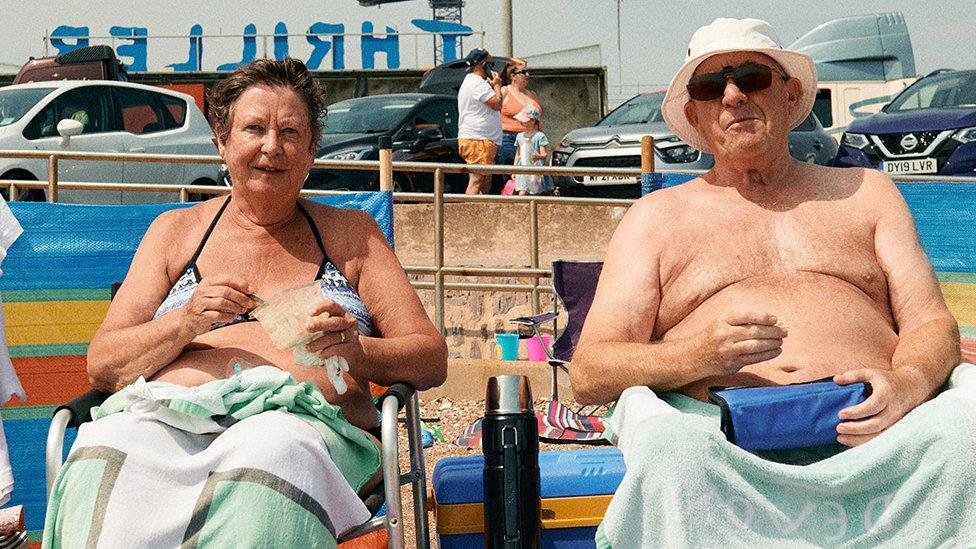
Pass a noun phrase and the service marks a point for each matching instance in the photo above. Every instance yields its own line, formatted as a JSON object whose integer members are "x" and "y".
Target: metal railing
{"x": 441, "y": 268}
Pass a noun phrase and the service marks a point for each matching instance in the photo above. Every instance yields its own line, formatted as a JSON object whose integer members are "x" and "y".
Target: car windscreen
{"x": 639, "y": 110}
{"x": 366, "y": 116}
{"x": 14, "y": 104}
{"x": 939, "y": 92}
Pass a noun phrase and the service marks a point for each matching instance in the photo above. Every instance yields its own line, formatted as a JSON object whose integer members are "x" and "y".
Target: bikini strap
{"x": 315, "y": 233}
{"x": 206, "y": 235}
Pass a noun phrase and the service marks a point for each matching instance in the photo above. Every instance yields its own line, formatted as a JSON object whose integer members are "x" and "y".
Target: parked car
{"x": 929, "y": 128}
{"x": 88, "y": 63}
{"x": 423, "y": 128}
{"x": 810, "y": 142}
{"x": 446, "y": 78}
{"x": 614, "y": 142}
{"x": 104, "y": 116}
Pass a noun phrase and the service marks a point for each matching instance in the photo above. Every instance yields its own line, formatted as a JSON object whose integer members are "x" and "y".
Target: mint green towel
{"x": 686, "y": 486}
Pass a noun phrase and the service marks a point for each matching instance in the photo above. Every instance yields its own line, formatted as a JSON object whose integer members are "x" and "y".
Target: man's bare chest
{"x": 709, "y": 257}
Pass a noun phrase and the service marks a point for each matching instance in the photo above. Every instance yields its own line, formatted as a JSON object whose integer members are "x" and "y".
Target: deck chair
{"x": 56, "y": 285}
{"x": 575, "y": 284}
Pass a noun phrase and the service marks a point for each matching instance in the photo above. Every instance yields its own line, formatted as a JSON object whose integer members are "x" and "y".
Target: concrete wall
{"x": 497, "y": 235}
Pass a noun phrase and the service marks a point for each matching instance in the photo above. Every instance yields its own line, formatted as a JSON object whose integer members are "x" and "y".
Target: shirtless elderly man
{"x": 766, "y": 270}
{"x": 763, "y": 271}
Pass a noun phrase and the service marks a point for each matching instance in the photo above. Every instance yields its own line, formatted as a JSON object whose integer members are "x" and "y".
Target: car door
{"x": 442, "y": 114}
{"x": 150, "y": 125}
{"x": 92, "y": 106}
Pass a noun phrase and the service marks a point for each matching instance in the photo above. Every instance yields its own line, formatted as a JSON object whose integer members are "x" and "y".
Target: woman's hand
{"x": 337, "y": 334}
{"x": 216, "y": 299}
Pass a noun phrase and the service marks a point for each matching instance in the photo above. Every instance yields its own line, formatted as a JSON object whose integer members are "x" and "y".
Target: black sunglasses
{"x": 525, "y": 72}
{"x": 749, "y": 78}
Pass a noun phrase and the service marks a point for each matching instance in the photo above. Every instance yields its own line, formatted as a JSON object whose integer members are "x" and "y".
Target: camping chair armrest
{"x": 399, "y": 396}
{"x": 534, "y": 320}
{"x": 72, "y": 414}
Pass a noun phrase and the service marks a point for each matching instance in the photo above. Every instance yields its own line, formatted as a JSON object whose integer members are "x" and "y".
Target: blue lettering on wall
{"x": 194, "y": 58}
{"x": 324, "y": 38}
{"x": 371, "y": 45}
{"x": 281, "y": 40}
{"x": 136, "y": 50}
{"x": 450, "y": 40}
{"x": 64, "y": 31}
{"x": 250, "y": 49}
{"x": 322, "y": 47}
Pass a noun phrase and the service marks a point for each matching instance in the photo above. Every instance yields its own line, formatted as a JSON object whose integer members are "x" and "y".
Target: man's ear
{"x": 794, "y": 94}
{"x": 691, "y": 114}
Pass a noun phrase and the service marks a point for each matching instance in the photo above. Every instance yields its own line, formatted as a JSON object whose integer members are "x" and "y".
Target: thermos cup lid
{"x": 509, "y": 394}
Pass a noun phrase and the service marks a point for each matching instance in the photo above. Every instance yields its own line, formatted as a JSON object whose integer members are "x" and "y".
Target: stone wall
{"x": 497, "y": 235}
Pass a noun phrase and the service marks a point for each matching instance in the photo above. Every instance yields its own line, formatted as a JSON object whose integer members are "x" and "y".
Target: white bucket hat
{"x": 732, "y": 35}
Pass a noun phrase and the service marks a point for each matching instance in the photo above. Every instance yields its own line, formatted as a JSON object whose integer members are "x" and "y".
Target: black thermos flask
{"x": 510, "y": 442}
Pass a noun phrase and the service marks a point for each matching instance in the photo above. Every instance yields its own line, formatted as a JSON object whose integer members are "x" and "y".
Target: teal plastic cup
{"x": 508, "y": 345}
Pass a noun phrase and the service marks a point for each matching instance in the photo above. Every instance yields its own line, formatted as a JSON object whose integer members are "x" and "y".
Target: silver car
{"x": 104, "y": 116}
{"x": 614, "y": 142}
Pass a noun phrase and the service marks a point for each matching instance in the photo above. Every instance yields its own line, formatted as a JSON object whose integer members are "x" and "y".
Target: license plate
{"x": 905, "y": 167}
{"x": 609, "y": 180}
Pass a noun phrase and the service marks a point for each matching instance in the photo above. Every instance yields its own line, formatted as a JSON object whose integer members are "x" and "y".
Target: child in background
{"x": 532, "y": 148}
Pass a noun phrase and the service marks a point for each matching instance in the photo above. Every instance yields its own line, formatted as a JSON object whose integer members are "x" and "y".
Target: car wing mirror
{"x": 69, "y": 128}
{"x": 430, "y": 134}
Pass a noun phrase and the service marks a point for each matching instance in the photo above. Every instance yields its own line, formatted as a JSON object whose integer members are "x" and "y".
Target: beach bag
{"x": 509, "y": 188}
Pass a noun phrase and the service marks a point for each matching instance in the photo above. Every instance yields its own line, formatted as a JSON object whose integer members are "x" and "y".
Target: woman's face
{"x": 269, "y": 145}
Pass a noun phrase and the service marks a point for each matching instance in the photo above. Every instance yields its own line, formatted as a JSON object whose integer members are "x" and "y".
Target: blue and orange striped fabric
{"x": 56, "y": 287}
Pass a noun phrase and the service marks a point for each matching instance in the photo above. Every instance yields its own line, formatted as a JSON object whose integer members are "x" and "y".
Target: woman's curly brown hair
{"x": 286, "y": 73}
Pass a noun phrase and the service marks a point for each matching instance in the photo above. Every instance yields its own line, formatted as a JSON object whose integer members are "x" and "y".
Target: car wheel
{"x": 26, "y": 195}
{"x": 200, "y": 197}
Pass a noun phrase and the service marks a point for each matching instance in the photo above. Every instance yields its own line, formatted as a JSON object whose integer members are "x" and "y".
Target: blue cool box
{"x": 576, "y": 488}
{"x": 782, "y": 417}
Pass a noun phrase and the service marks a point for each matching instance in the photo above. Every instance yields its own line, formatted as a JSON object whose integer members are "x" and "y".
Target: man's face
{"x": 743, "y": 124}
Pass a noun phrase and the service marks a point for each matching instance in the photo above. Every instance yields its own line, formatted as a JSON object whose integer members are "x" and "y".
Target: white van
{"x": 862, "y": 63}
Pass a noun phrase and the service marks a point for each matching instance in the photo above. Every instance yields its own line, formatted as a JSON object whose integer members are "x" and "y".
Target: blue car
{"x": 929, "y": 128}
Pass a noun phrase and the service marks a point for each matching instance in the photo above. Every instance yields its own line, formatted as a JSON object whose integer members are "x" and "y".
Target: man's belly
{"x": 832, "y": 327}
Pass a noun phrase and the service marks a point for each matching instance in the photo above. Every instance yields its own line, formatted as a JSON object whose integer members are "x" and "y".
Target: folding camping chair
{"x": 575, "y": 284}
{"x": 59, "y": 273}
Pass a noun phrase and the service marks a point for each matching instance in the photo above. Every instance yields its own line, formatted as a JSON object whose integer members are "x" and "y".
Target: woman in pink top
{"x": 517, "y": 96}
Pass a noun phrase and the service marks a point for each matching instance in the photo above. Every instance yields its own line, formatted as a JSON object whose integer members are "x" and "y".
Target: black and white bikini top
{"x": 334, "y": 284}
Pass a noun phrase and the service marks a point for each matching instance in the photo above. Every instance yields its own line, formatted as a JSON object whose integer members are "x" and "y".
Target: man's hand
{"x": 894, "y": 393}
{"x": 743, "y": 338}
{"x": 216, "y": 299}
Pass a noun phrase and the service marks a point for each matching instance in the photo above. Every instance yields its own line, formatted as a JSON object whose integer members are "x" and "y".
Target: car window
{"x": 367, "y": 115}
{"x": 176, "y": 108}
{"x": 143, "y": 111}
{"x": 942, "y": 91}
{"x": 639, "y": 110}
{"x": 440, "y": 113}
{"x": 14, "y": 104}
{"x": 823, "y": 107}
{"x": 90, "y": 105}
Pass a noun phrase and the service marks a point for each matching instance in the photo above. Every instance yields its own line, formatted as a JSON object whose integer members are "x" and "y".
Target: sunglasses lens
{"x": 706, "y": 87}
{"x": 752, "y": 78}
{"x": 749, "y": 78}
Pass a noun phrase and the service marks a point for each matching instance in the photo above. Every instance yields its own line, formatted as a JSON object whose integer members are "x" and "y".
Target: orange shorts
{"x": 477, "y": 151}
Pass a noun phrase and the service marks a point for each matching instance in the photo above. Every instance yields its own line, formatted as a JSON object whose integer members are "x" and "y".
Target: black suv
{"x": 423, "y": 128}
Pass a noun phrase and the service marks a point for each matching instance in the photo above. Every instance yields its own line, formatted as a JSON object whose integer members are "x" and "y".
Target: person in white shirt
{"x": 479, "y": 119}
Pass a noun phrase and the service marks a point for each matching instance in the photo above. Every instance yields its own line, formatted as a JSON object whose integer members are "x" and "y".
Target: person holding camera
{"x": 479, "y": 120}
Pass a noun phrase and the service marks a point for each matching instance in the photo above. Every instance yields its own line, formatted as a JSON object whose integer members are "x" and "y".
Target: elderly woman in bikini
{"x": 283, "y": 437}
